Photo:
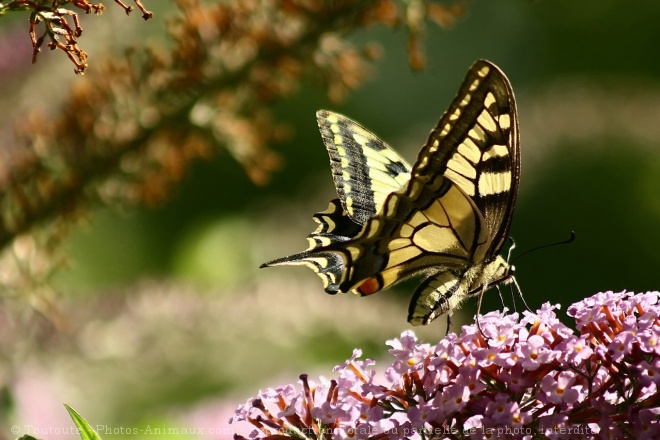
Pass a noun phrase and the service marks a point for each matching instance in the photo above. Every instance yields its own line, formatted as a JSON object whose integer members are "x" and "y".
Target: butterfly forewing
{"x": 469, "y": 151}
{"x": 475, "y": 144}
{"x": 364, "y": 168}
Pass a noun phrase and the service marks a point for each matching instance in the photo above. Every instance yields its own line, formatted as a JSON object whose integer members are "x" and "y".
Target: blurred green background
{"x": 181, "y": 326}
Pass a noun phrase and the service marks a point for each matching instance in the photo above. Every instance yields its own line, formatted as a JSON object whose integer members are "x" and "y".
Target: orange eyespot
{"x": 369, "y": 286}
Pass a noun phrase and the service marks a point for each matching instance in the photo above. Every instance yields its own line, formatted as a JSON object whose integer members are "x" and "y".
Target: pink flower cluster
{"x": 510, "y": 377}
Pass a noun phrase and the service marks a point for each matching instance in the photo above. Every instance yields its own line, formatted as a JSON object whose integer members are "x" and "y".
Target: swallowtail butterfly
{"x": 446, "y": 217}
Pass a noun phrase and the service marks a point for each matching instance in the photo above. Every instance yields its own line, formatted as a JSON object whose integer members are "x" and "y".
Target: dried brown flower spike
{"x": 61, "y": 26}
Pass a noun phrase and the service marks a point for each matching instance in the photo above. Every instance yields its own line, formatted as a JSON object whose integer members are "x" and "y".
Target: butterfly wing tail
{"x": 334, "y": 226}
{"x": 329, "y": 266}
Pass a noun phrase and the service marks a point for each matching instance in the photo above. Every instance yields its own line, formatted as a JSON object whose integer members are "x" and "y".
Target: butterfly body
{"x": 446, "y": 217}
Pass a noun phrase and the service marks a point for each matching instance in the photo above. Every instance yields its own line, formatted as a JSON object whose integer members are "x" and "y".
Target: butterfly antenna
{"x": 570, "y": 240}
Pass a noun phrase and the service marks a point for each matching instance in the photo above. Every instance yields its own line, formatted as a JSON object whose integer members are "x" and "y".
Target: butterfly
{"x": 446, "y": 217}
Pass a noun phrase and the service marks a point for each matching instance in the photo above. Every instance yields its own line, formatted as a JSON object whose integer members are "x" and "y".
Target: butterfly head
{"x": 494, "y": 272}
{"x": 504, "y": 272}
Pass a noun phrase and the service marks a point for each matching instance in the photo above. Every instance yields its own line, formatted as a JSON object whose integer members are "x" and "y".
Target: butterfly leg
{"x": 515, "y": 282}
{"x": 499, "y": 292}
{"x": 479, "y": 299}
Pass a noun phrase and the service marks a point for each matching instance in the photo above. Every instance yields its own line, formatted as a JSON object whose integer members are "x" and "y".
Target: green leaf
{"x": 86, "y": 432}
{"x": 26, "y": 437}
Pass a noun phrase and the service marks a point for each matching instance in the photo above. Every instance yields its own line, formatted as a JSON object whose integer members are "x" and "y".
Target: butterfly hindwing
{"x": 422, "y": 227}
{"x": 334, "y": 226}
{"x": 436, "y": 296}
